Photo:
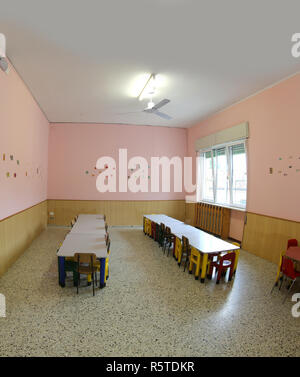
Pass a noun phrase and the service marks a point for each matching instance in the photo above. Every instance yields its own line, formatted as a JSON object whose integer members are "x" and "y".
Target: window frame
{"x": 229, "y": 156}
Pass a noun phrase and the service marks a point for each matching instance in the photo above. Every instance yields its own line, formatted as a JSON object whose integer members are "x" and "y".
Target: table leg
{"x": 102, "y": 272}
{"x": 204, "y": 267}
{"x": 61, "y": 271}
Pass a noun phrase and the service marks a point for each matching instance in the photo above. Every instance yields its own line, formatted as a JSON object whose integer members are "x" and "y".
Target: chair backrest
{"x": 106, "y": 238}
{"x": 282, "y": 254}
{"x": 108, "y": 247}
{"x": 106, "y": 227}
{"x": 104, "y": 217}
{"x": 86, "y": 258}
{"x": 163, "y": 228}
{"x": 168, "y": 230}
{"x": 288, "y": 268}
{"x": 229, "y": 257}
{"x": 292, "y": 242}
{"x": 185, "y": 245}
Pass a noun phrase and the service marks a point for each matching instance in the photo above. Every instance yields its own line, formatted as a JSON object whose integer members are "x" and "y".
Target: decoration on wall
{"x": 286, "y": 166}
{"x": 31, "y": 170}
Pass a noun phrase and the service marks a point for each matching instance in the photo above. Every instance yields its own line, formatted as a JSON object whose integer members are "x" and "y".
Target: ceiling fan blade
{"x": 162, "y": 115}
{"x": 161, "y": 104}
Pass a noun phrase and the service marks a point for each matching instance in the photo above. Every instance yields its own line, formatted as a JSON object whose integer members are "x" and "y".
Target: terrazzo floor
{"x": 150, "y": 307}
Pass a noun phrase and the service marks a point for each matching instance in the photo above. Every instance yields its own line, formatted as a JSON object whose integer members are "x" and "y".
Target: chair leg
{"x": 293, "y": 282}
{"x": 93, "y": 284}
{"x": 78, "y": 282}
{"x": 185, "y": 263}
{"x": 220, "y": 269}
{"x": 281, "y": 283}
{"x": 231, "y": 271}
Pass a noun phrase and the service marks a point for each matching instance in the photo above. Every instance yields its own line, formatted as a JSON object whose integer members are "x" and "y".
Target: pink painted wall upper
{"x": 274, "y": 134}
{"x": 23, "y": 147}
{"x": 75, "y": 148}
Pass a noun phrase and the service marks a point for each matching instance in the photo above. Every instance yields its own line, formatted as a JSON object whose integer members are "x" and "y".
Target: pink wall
{"x": 75, "y": 149}
{"x": 274, "y": 128}
{"x": 23, "y": 135}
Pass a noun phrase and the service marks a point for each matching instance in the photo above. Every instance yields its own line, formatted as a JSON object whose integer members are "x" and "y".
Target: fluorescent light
{"x": 149, "y": 88}
{"x": 145, "y": 84}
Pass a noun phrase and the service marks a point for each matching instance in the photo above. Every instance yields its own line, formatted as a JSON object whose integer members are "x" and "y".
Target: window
{"x": 222, "y": 175}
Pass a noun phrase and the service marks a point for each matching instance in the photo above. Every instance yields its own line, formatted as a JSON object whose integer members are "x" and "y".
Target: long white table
{"x": 86, "y": 236}
{"x": 204, "y": 242}
{"x": 83, "y": 243}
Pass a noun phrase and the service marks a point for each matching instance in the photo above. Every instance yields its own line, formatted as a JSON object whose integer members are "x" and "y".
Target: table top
{"x": 293, "y": 252}
{"x": 200, "y": 240}
{"x": 83, "y": 243}
{"x": 89, "y": 226}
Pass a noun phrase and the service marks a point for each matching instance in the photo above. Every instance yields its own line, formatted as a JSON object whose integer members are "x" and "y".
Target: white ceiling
{"x": 80, "y": 58}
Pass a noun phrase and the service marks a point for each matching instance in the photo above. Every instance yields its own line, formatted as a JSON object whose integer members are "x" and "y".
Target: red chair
{"x": 153, "y": 230}
{"x": 222, "y": 265}
{"x": 289, "y": 273}
{"x": 292, "y": 242}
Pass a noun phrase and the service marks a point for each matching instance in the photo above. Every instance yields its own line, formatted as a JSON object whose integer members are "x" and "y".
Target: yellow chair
{"x": 195, "y": 259}
{"x": 97, "y": 264}
{"x": 148, "y": 227}
{"x": 237, "y": 254}
{"x": 279, "y": 273}
{"x": 178, "y": 250}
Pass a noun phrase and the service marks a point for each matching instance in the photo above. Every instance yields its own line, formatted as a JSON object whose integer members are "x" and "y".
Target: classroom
{"x": 149, "y": 179}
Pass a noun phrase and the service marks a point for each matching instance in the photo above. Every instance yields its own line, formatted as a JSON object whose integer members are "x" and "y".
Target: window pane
{"x": 208, "y": 192}
{"x": 222, "y": 193}
{"x": 239, "y": 175}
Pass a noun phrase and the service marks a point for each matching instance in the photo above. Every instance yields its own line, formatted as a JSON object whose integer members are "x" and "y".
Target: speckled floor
{"x": 150, "y": 307}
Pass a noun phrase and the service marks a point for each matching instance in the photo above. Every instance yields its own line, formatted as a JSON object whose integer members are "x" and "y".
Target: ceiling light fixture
{"x": 149, "y": 88}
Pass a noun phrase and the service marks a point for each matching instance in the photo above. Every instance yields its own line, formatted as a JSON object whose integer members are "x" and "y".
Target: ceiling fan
{"x": 153, "y": 109}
